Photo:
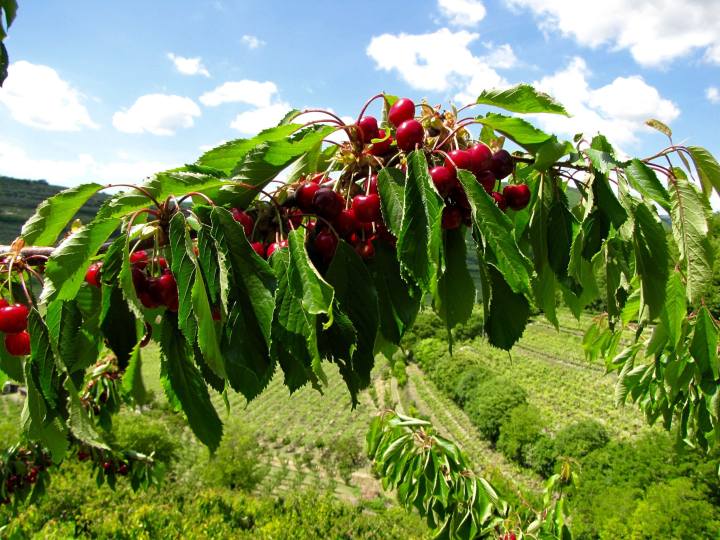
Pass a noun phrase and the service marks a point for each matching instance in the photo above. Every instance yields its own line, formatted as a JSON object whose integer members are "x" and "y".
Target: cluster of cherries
{"x": 154, "y": 283}
{"x": 100, "y": 393}
{"x": 108, "y": 463}
{"x": 13, "y": 323}
{"x": 20, "y": 469}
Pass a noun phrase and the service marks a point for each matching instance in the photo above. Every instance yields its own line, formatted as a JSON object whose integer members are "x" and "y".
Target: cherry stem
{"x": 197, "y": 194}
{"x": 322, "y": 111}
{"x": 460, "y": 126}
{"x": 140, "y": 189}
{"x": 324, "y": 221}
{"x": 368, "y": 102}
{"x": 25, "y": 289}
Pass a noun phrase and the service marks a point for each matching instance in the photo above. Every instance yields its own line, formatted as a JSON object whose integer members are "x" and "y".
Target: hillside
{"x": 19, "y": 198}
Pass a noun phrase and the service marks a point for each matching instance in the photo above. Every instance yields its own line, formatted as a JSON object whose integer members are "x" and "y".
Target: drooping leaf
{"x": 659, "y": 126}
{"x": 675, "y": 311}
{"x": 517, "y": 130}
{"x": 54, "y": 214}
{"x": 355, "y": 293}
{"x": 690, "y": 230}
{"x": 305, "y": 281}
{"x": 391, "y": 185}
{"x": 418, "y": 244}
{"x": 651, "y": 258}
{"x": 607, "y": 202}
{"x": 496, "y": 229}
{"x": 132, "y": 381}
{"x": 560, "y": 230}
{"x": 187, "y": 384}
{"x": 704, "y": 346}
{"x": 549, "y": 152}
{"x": 80, "y": 424}
{"x": 521, "y": 98}
{"x": 456, "y": 289}
{"x": 708, "y": 168}
{"x": 509, "y": 312}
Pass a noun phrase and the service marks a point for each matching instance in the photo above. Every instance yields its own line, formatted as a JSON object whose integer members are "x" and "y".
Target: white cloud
{"x": 441, "y": 61}
{"x": 36, "y": 96}
{"x": 159, "y": 114}
{"x": 256, "y": 93}
{"x": 254, "y": 121}
{"x": 713, "y": 95}
{"x": 462, "y": 12}
{"x": 189, "y": 66}
{"x": 654, "y": 31}
{"x": 252, "y": 42}
{"x": 14, "y": 161}
{"x": 617, "y": 110}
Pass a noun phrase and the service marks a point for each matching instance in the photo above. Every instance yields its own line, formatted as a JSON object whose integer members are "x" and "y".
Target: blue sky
{"x": 113, "y": 91}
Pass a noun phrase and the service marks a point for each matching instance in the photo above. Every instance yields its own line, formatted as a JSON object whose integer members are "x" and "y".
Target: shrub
{"x": 346, "y": 455}
{"x": 579, "y": 439}
{"x": 519, "y": 432}
{"x": 541, "y": 455}
{"x": 495, "y": 400}
{"x": 398, "y": 371}
{"x": 236, "y": 463}
{"x": 470, "y": 329}
{"x": 468, "y": 382}
{"x": 145, "y": 433}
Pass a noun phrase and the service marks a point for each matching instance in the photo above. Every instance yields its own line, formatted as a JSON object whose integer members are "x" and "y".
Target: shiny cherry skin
{"x": 325, "y": 244}
{"x": 365, "y": 249}
{"x": 487, "y": 180}
{"x": 461, "y": 159}
{"x": 92, "y": 275}
{"x": 272, "y": 248}
{"x": 18, "y": 344}
{"x": 367, "y": 208}
{"x": 139, "y": 258}
{"x": 369, "y": 128}
{"x": 381, "y": 147}
{"x": 481, "y": 157}
{"x": 328, "y": 203}
{"x": 452, "y": 217}
{"x": 13, "y": 319}
{"x": 168, "y": 291}
{"x": 304, "y": 195}
{"x": 346, "y": 223}
{"x": 373, "y": 188}
{"x": 444, "y": 179}
{"x": 499, "y": 200}
{"x": 502, "y": 164}
{"x": 402, "y": 110}
{"x": 517, "y": 196}
{"x": 244, "y": 219}
{"x": 259, "y": 248}
{"x": 409, "y": 134}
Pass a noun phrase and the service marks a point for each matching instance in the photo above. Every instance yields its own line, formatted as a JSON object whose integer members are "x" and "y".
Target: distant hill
{"x": 19, "y": 198}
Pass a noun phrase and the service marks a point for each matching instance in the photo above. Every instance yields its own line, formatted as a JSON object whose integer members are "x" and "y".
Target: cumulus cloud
{"x": 252, "y": 42}
{"x": 158, "y": 114}
{"x": 259, "y": 94}
{"x": 37, "y": 96}
{"x": 441, "y": 61}
{"x": 462, "y": 12}
{"x": 188, "y": 66}
{"x": 254, "y": 121}
{"x": 15, "y": 161}
{"x": 618, "y": 109}
{"x": 654, "y": 31}
{"x": 713, "y": 95}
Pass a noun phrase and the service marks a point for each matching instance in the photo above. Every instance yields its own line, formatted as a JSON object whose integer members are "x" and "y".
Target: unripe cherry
{"x": 409, "y": 134}
{"x": 402, "y": 110}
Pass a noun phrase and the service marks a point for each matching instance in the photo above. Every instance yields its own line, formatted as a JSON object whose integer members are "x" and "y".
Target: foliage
{"x": 541, "y": 455}
{"x": 579, "y": 439}
{"x": 495, "y": 400}
{"x": 519, "y": 433}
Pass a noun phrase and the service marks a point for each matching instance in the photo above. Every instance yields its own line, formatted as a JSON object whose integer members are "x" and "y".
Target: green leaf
{"x": 607, "y": 202}
{"x": 306, "y": 282}
{"x": 54, "y": 214}
{"x": 399, "y": 301}
{"x": 704, "y": 346}
{"x": 293, "y": 330}
{"x": 560, "y": 230}
{"x": 516, "y": 129}
{"x": 497, "y": 232}
{"x": 391, "y": 185}
{"x": 544, "y": 288}
{"x": 12, "y": 366}
{"x": 521, "y": 98}
{"x": 356, "y": 296}
{"x": 42, "y": 359}
{"x": 132, "y": 380}
{"x": 690, "y": 230}
{"x": 456, "y": 289}
{"x": 651, "y": 258}
{"x": 643, "y": 179}
{"x": 418, "y": 244}
{"x": 183, "y": 269}
{"x": 187, "y": 384}
{"x": 80, "y": 424}
{"x": 66, "y": 267}
{"x": 549, "y": 152}
{"x": 708, "y": 168}
{"x": 4, "y": 62}
{"x": 675, "y": 312}
{"x": 659, "y": 126}
{"x": 509, "y": 313}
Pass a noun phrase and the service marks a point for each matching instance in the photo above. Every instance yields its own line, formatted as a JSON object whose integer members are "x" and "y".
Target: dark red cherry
{"x": 161, "y": 262}
{"x": 304, "y": 195}
{"x": 328, "y": 203}
{"x": 325, "y": 244}
{"x": 295, "y": 217}
{"x": 381, "y": 147}
{"x": 17, "y": 344}
{"x": 499, "y": 200}
{"x": 92, "y": 276}
{"x": 502, "y": 164}
{"x": 245, "y": 220}
{"x": 444, "y": 179}
{"x": 259, "y": 248}
{"x": 365, "y": 249}
{"x": 3, "y": 303}
{"x": 409, "y": 134}
{"x": 373, "y": 188}
{"x": 123, "y": 469}
{"x": 13, "y": 319}
{"x": 517, "y": 196}
{"x": 402, "y": 110}
{"x": 481, "y": 157}
{"x": 460, "y": 158}
{"x": 452, "y": 217}
{"x": 367, "y": 208}
{"x": 369, "y": 128}
{"x": 346, "y": 222}
{"x": 139, "y": 258}
{"x": 487, "y": 180}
